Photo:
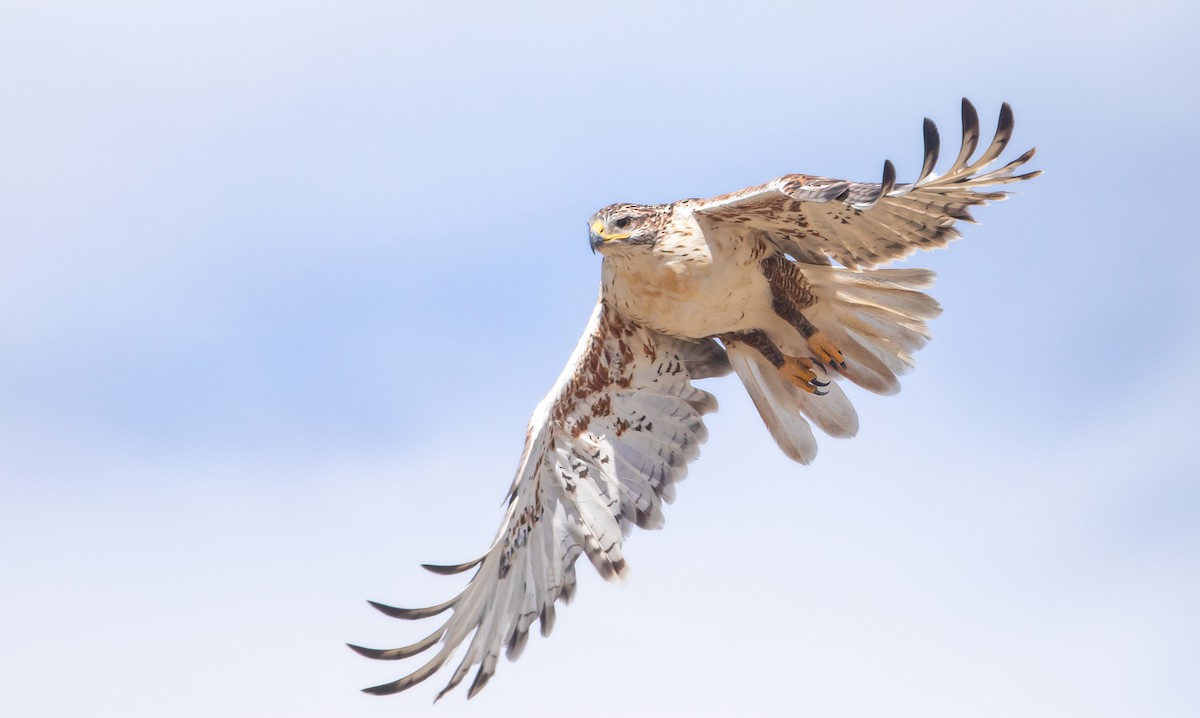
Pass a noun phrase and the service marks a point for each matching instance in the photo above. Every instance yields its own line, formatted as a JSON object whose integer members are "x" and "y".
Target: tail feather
{"x": 766, "y": 388}
{"x": 877, "y": 318}
{"x": 783, "y": 407}
{"x": 906, "y": 334}
{"x": 863, "y": 365}
{"x": 832, "y": 412}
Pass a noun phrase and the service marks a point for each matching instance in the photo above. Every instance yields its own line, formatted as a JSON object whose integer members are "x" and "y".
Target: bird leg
{"x": 797, "y": 370}
{"x": 791, "y": 292}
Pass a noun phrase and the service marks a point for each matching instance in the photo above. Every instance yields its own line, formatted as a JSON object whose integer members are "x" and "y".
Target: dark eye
{"x": 621, "y": 223}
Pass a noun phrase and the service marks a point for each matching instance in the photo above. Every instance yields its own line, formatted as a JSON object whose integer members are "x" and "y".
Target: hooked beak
{"x": 595, "y": 239}
{"x": 597, "y": 236}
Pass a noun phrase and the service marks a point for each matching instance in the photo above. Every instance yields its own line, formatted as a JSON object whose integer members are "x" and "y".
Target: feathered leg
{"x": 797, "y": 370}
{"x": 791, "y": 292}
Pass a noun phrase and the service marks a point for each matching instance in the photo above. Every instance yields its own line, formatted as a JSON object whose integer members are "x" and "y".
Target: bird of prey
{"x": 777, "y": 283}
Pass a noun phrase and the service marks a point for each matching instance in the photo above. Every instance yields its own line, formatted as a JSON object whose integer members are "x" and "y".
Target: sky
{"x": 280, "y": 283}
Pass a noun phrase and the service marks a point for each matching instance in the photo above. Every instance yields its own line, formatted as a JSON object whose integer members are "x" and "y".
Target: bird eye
{"x": 621, "y": 223}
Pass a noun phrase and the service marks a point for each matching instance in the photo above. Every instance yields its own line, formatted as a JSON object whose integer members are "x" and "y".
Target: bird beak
{"x": 598, "y": 236}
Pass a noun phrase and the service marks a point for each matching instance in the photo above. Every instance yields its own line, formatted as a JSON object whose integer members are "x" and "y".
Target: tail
{"x": 877, "y": 318}
{"x": 784, "y": 408}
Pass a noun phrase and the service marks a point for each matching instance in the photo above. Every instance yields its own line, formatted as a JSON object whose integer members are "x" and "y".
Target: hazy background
{"x": 280, "y": 283}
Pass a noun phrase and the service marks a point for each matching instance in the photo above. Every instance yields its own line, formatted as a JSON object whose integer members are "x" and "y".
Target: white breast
{"x": 688, "y": 286}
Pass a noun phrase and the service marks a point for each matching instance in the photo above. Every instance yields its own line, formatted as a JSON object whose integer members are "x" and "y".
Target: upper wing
{"x": 864, "y": 224}
{"x": 602, "y": 453}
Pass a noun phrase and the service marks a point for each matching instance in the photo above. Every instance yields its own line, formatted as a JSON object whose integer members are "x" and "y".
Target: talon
{"x": 825, "y": 351}
{"x": 799, "y": 371}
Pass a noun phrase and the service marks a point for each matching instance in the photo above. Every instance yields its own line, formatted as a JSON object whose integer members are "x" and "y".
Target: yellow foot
{"x": 825, "y": 352}
{"x": 799, "y": 371}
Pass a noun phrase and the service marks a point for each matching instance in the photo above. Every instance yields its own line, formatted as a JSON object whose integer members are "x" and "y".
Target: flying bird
{"x": 777, "y": 283}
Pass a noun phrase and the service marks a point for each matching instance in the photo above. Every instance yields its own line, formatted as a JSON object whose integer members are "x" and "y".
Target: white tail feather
{"x": 876, "y": 317}
{"x": 832, "y": 412}
{"x": 778, "y": 409}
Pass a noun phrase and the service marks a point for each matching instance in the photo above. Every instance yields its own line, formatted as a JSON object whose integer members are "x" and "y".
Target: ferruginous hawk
{"x": 776, "y": 283}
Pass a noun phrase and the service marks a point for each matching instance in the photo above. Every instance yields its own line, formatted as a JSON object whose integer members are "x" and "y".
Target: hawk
{"x": 777, "y": 283}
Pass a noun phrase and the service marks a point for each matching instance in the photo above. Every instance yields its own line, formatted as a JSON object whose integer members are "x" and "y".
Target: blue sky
{"x": 281, "y": 282}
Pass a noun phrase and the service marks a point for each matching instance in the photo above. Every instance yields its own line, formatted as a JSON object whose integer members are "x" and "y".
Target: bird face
{"x": 623, "y": 225}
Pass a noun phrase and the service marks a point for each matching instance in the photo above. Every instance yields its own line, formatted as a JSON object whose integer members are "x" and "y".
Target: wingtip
{"x": 481, "y": 680}
{"x": 970, "y": 118}
{"x": 889, "y": 179}
{"x": 1006, "y": 115}
{"x": 933, "y": 142}
{"x": 968, "y": 110}
{"x": 409, "y": 614}
{"x": 450, "y": 570}
{"x": 384, "y": 689}
{"x": 385, "y": 609}
{"x": 364, "y": 651}
{"x": 930, "y": 130}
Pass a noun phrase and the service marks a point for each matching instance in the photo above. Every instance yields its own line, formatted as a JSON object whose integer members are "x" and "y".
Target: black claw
{"x": 833, "y": 364}
{"x": 818, "y": 392}
{"x": 818, "y": 382}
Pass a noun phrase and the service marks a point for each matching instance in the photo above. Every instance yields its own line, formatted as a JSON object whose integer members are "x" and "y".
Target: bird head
{"x": 624, "y": 225}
